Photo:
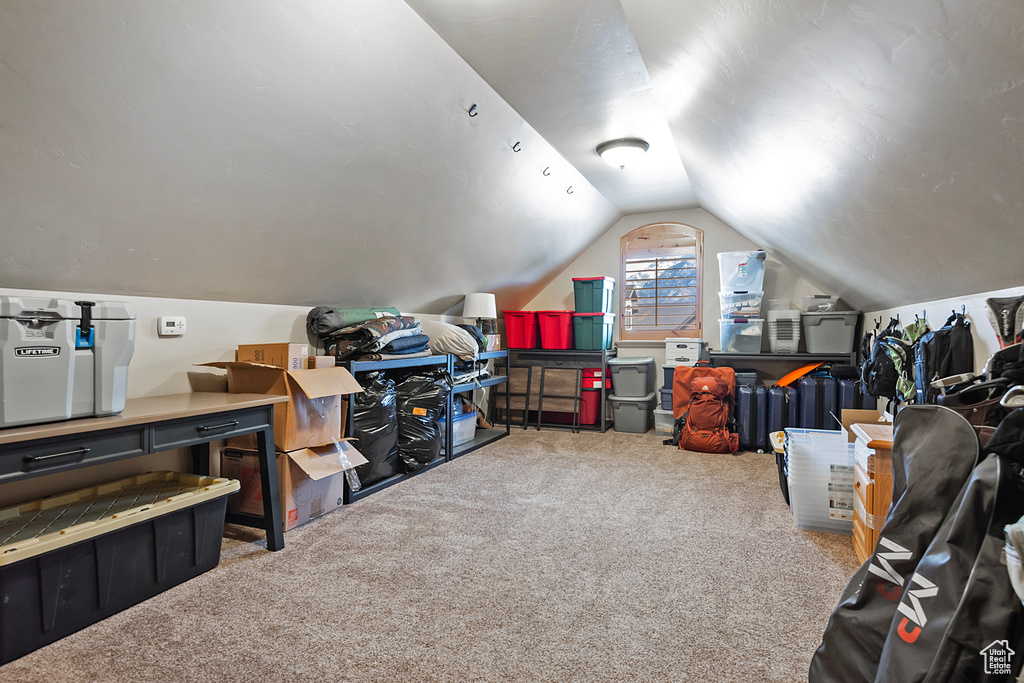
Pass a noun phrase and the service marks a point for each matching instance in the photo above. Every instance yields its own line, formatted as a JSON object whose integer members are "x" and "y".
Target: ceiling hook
{"x": 516, "y": 147}
{"x": 546, "y": 171}
{"x": 473, "y": 111}
{"x": 569, "y": 191}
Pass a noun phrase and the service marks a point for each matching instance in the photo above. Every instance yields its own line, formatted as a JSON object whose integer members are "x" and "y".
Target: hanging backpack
{"x": 867, "y": 341}
{"x": 706, "y": 427}
{"x": 888, "y": 371}
{"x": 940, "y": 353}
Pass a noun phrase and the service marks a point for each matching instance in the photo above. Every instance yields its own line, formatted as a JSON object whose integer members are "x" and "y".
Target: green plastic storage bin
{"x": 593, "y": 331}
{"x": 593, "y": 294}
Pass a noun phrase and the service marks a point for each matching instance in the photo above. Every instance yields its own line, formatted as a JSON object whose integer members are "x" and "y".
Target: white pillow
{"x": 448, "y": 338}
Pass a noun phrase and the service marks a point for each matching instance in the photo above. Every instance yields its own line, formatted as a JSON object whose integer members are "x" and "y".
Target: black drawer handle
{"x": 38, "y": 458}
{"x": 233, "y": 423}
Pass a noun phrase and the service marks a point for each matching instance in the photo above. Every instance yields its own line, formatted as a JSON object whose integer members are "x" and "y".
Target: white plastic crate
{"x": 818, "y": 303}
{"x": 741, "y": 270}
{"x": 821, "y": 480}
{"x": 663, "y": 422}
{"x": 463, "y": 428}
{"x": 740, "y": 304}
{"x": 783, "y": 331}
{"x": 741, "y": 335}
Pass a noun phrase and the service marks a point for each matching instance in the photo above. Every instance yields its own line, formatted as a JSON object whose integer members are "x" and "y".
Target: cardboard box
{"x": 317, "y": 362}
{"x": 851, "y": 417}
{"x": 283, "y": 355}
{"x": 311, "y": 480}
{"x": 313, "y": 414}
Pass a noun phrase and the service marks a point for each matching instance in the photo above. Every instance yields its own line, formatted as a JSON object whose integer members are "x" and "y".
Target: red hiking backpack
{"x": 682, "y": 379}
{"x": 706, "y": 428}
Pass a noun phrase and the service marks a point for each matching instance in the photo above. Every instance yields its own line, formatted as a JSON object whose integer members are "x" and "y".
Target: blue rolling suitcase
{"x": 850, "y": 396}
{"x": 752, "y": 418}
{"x": 783, "y": 408}
{"x": 819, "y": 403}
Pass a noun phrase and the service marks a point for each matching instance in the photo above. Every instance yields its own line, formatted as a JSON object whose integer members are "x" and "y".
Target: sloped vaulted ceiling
{"x": 877, "y": 146}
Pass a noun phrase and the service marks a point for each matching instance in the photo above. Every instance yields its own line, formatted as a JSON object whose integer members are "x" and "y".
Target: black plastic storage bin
{"x": 134, "y": 538}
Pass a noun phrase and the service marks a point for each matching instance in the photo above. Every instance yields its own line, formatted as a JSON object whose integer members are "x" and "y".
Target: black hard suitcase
{"x": 783, "y": 411}
{"x": 851, "y": 397}
{"x": 752, "y": 418}
{"x": 818, "y": 403}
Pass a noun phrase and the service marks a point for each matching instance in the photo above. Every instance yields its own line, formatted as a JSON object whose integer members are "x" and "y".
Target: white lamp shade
{"x": 479, "y": 305}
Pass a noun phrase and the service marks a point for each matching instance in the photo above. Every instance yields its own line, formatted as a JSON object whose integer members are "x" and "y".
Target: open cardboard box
{"x": 851, "y": 417}
{"x": 311, "y": 480}
{"x": 313, "y": 415}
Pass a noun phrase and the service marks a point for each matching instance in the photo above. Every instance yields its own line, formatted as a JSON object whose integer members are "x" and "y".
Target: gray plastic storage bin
{"x": 61, "y": 359}
{"x": 666, "y": 397}
{"x": 668, "y": 375}
{"x": 632, "y": 414}
{"x": 746, "y": 378}
{"x": 632, "y": 377}
{"x": 830, "y": 332}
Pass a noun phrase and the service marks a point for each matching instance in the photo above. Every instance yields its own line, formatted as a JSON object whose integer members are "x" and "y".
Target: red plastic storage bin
{"x": 590, "y": 406}
{"x": 521, "y": 329}
{"x": 592, "y": 379}
{"x": 555, "y": 329}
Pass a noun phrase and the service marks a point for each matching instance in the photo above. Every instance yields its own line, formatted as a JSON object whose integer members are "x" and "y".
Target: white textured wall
{"x": 602, "y": 258}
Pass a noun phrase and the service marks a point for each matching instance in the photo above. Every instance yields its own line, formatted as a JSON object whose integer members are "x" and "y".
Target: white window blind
{"x": 661, "y": 271}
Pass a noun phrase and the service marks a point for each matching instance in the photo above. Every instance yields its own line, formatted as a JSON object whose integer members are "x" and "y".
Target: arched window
{"x": 661, "y": 265}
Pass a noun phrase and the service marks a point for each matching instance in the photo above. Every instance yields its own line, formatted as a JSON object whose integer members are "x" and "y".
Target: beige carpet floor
{"x": 547, "y": 556}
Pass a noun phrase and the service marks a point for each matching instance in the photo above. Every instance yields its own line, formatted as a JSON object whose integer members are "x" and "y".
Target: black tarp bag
{"x": 959, "y": 607}
{"x": 375, "y": 426}
{"x": 933, "y": 452}
{"x": 421, "y": 402}
{"x": 940, "y": 353}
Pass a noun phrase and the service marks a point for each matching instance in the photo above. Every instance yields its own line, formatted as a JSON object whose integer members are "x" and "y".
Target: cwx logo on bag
{"x": 884, "y": 569}
{"x": 997, "y": 658}
{"x": 914, "y": 612}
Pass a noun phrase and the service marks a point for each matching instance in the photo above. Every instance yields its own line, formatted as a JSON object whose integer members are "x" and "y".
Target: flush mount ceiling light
{"x": 624, "y": 152}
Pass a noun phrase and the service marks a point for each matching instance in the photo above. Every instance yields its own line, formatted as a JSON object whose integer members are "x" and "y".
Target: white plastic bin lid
{"x": 643, "y": 360}
{"x": 632, "y": 399}
{"x": 814, "y": 319}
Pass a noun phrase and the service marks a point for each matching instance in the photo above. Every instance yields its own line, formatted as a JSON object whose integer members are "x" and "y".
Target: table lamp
{"x": 481, "y": 306}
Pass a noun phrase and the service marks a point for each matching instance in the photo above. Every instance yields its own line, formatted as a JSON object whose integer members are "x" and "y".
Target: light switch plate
{"x": 171, "y": 326}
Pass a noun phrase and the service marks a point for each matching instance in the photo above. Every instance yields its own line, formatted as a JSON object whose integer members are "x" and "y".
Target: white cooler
{"x": 61, "y": 359}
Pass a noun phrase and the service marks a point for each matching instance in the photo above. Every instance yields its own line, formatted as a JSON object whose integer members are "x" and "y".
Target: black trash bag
{"x": 375, "y": 419}
{"x": 421, "y": 402}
